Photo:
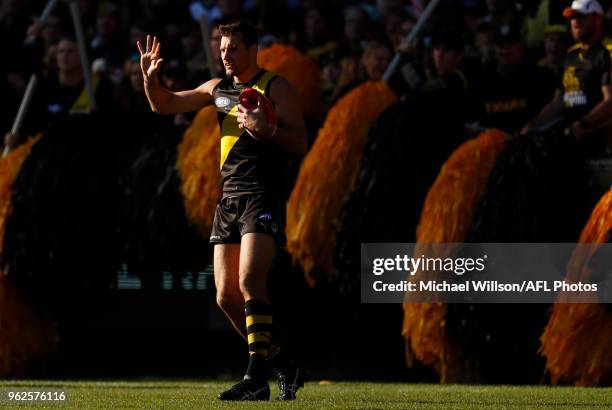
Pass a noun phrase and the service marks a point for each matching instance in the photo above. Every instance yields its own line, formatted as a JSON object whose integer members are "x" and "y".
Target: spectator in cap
{"x": 448, "y": 87}
{"x": 509, "y": 48}
{"x": 584, "y": 96}
{"x": 484, "y": 40}
{"x": 447, "y": 53}
{"x": 501, "y": 12}
{"x": 508, "y": 96}
{"x": 556, "y": 42}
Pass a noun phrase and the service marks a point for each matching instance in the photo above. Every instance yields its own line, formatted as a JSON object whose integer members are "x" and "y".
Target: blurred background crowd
{"x": 489, "y": 63}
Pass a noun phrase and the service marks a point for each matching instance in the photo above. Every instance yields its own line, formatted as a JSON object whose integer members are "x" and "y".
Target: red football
{"x": 249, "y": 98}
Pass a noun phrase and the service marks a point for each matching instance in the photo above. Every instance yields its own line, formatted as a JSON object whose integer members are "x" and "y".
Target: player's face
{"x": 235, "y": 55}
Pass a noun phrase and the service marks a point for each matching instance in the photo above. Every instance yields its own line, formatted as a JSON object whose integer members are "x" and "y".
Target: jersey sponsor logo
{"x": 574, "y": 99}
{"x": 222, "y": 102}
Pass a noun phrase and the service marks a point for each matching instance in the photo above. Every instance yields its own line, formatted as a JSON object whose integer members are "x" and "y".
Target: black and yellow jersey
{"x": 509, "y": 99}
{"x": 585, "y": 71}
{"x": 248, "y": 166}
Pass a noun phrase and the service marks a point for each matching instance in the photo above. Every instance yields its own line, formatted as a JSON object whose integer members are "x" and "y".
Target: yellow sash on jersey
{"x": 229, "y": 127}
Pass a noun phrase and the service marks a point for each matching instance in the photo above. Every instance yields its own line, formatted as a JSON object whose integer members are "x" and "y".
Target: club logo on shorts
{"x": 265, "y": 217}
{"x": 222, "y": 102}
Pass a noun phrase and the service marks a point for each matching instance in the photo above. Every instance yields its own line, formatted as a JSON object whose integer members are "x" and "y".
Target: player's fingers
{"x": 154, "y": 44}
{"x": 148, "y": 43}
{"x": 140, "y": 47}
{"x": 157, "y": 49}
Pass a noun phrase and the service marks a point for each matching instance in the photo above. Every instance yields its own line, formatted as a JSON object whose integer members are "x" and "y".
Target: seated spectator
{"x": 393, "y": 28}
{"x": 372, "y": 65}
{"x": 448, "y": 87}
{"x": 484, "y": 40}
{"x": 194, "y": 56}
{"x": 556, "y": 43}
{"x": 108, "y": 45}
{"x": 389, "y": 8}
{"x": 131, "y": 95}
{"x": 215, "y": 43}
{"x": 64, "y": 93}
{"x": 508, "y": 93}
{"x": 502, "y": 12}
{"x": 356, "y": 29}
{"x": 320, "y": 33}
{"x": 174, "y": 78}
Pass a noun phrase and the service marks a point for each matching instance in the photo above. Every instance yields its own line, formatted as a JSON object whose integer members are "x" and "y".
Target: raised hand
{"x": 150, "y": 62}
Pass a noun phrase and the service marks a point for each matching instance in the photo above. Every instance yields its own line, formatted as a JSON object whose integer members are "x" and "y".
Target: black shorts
{"x": 252, "y": 213}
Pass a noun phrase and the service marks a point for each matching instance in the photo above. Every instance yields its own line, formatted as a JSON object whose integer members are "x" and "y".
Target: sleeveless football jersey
{"x": 248, "y": 166}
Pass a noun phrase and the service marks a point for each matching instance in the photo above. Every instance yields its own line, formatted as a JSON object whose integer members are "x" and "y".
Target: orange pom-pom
{"x": 300, "y": 71}
{"x": 198, "y": 166}
{"x": 445, "y": 218}
{"x": 328, "y": 174}
{"x": 576, "y": 341}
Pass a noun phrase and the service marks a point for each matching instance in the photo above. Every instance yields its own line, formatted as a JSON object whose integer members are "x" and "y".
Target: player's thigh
{"x": 256, "y": 255}
{"x": 226, "y": 265}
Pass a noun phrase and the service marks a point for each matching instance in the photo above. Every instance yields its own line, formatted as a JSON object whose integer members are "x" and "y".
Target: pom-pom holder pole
{"x": 410, "y": 38}
{"x": 78, "y": 29}
{"x": 29, "y": 92}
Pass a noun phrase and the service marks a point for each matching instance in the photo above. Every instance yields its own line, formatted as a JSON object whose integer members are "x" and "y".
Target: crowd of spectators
{"x": 497, "y": 62}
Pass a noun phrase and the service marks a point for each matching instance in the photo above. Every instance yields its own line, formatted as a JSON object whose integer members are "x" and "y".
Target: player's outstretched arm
{"x": 162, "y": 100}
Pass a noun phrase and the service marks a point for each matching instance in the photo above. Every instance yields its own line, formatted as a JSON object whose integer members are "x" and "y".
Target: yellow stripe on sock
{"x": 259, "y": 337}
{"x": 252, "y": 319}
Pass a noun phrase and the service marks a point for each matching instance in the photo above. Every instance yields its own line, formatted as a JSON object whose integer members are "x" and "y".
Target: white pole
{"x": 29, "y": 92}
{"x": 410, "y": 38}
{"x": 78, "y": 28}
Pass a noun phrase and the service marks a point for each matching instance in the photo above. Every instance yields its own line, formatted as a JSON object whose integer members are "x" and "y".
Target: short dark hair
{"x": 247, "y": 32}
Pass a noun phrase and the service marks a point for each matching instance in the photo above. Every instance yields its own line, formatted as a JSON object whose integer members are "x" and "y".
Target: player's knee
{"x": 228, "y": 301}
{"x": 251, "y": 286}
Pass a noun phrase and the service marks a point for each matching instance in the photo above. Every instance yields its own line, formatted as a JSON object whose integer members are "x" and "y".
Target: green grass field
{"x": 335, "y": 395}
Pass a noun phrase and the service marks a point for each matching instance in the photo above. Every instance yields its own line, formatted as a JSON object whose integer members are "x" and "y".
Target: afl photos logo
{"x": 222, "y": 102}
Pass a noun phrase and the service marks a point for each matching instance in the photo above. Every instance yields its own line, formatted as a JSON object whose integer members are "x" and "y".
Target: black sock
{"x": 259, "y": 327}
